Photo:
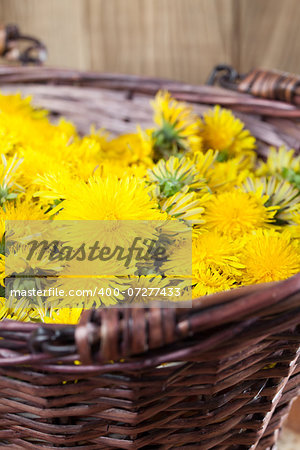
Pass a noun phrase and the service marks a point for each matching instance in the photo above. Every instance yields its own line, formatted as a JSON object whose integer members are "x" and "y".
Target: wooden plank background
{"x": 178, "y": 39}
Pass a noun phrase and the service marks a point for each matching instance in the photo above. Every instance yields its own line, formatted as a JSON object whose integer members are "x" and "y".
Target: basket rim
{"x": 206, "y": 312}
{"x": 133, "y": 84}
{"x": 226, "y": 314}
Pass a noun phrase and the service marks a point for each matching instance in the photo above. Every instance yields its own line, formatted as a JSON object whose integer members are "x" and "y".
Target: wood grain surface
{"x": 178, "y": 39}
{"x": 269, "y": 34}
{"x": 288, "y": 440}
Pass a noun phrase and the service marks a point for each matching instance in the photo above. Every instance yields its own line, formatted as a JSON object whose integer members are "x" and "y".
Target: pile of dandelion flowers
{"x": 200, "y": 173}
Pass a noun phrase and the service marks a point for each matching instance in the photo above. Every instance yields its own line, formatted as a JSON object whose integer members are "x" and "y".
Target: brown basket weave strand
{"x": 272, "y": 84}
{"x": 220, "y": 375}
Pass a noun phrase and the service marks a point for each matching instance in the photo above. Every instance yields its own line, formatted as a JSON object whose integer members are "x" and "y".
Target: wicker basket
{"x": 203, "y": 377}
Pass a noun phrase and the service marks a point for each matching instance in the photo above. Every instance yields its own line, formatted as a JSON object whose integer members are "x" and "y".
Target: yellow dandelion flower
{"x": 2, "y": 269}
{"x": 204, "y": 162}
{"x": 54, "y": 185}
{"x": 218, "y": 252}
{"x": 33, "y": 129}
{"x": 15, "y": 104}
{"x": 221, "y": 131}
{"x": 16, "y": 309}
{"x": 109, "y": 199}
{"x": 22, "y": 209}
{"x": 39, "y": 310}
{"x": 294, "y": 229}
{"x": 279, "y": 159}
{"x": 177, "y": 126}
{"x": 236, "y": 212}
{"x": 224, "y": 176}
{"x": 82, "y": 156}
{"x": 269, "y": 256}
{"x": 12, "y": 313}
{"x": 131, "y": 148}
{"x": 119, "y": 169}
{"x": 18, "y": 264}
{"x": 37, "y": 163}
{"x": 185, "y": 205}
{"x": 68, "y": 316}
{"x": 175, "y": 173}
{"x": 208, "y": 280}
{"x": 9, "y": 188}
{"x": 178, "y": 256}
{"x": 281, "y": 194}
{"x": 117, "y": 203}
{"x": 3, "y": 310}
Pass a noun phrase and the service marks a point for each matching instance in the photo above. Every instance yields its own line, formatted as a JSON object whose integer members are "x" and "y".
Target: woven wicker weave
{"x": 219, "y": 375}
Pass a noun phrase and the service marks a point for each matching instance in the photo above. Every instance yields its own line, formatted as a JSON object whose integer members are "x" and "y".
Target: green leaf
{"x": 292, "y": 176}
{"x": 222, "y": 156}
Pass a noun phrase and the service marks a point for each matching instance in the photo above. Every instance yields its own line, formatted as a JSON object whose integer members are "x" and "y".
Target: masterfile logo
{"x": 98, "y": 262}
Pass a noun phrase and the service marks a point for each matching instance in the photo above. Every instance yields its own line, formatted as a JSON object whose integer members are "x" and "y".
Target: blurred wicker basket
{"x": 219, "y": 375}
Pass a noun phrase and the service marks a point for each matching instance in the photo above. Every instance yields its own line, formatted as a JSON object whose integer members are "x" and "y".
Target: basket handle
{"x": 116, "y": 333}
{"x": 270, "y": 84}
{"x": 12, "y": 46}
